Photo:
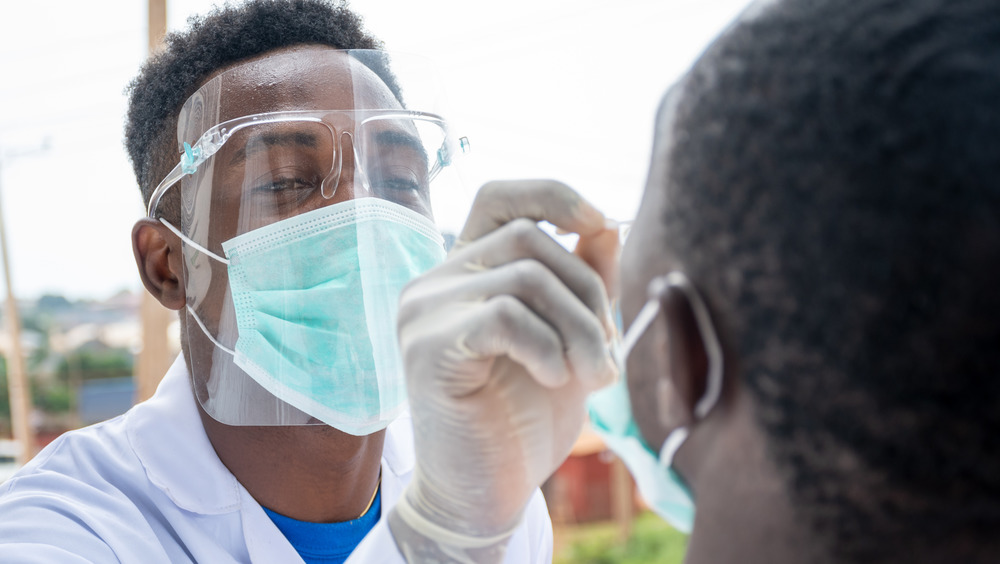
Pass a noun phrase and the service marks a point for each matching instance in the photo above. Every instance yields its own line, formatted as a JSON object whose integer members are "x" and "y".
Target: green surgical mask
{"x": 315, "y": 298}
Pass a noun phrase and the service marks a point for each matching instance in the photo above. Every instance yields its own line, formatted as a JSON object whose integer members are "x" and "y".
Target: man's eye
{"x": 399, "y": 178}
{"x": 287, "y": 183}
{"x": 397, "y": 185}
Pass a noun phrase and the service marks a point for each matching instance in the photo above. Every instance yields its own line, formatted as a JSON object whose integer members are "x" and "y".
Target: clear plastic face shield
{"x": 312, "y": 185}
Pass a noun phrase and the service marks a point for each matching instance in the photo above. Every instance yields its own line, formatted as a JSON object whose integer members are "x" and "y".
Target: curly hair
{"x": 834, "y": 187}
{"x": 225, "y": 36}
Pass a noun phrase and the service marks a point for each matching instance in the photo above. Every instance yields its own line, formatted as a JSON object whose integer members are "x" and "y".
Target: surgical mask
{"x": 610, "y": 411}
{"x": 319, "y": 331}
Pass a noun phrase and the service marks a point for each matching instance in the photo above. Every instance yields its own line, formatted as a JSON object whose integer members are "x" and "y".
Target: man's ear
{"x": 686, "y": 359}
{"x": 675, "y": 365}
{"x": 158, "y": 255}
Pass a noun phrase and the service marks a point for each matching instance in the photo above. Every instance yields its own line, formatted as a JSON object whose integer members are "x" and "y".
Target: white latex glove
{"x": 501, "y": 344}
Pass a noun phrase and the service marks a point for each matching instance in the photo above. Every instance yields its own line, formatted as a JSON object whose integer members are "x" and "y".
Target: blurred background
{"x": 562, "y": 89}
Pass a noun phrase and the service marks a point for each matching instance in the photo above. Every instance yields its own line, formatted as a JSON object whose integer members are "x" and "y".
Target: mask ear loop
{"x": 639, "y": 325}
{"x": 187, "y": 241}
{"x": 713, "y": 350}
{"x": 204, "y": 330}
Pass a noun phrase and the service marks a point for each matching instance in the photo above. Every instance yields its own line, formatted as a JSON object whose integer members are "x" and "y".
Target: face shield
{"x": 313, "y": 184}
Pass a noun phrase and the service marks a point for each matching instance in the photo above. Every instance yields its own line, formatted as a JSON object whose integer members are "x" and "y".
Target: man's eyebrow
{"x": 397, "y": 137}
{"x": 268, "y": 140}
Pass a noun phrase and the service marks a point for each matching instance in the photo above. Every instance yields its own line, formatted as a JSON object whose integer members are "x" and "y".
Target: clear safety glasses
{"x": 281, "y": 160}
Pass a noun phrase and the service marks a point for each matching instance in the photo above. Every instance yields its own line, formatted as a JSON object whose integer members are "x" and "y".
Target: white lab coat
{"x": 147, "y": 487}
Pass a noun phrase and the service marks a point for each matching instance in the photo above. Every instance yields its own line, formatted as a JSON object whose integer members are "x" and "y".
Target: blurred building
{"x": 80, "y": 358}
{"x": 591, "y": 485}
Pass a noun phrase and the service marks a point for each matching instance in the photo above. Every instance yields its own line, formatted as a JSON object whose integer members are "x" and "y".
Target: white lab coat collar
{"x": 168, "y": 454}
{"x": 170, "y": 442}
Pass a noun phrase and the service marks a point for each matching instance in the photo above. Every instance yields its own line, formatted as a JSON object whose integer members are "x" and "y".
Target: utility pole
{"x": 154, "y": 359}
{"x": 621, "y": 499}
{"x": 17, "y": 376}
{"x": 157, "y": 23}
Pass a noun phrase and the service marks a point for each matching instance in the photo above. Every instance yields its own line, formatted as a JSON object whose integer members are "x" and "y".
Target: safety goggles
{"x": 281, "y": 159}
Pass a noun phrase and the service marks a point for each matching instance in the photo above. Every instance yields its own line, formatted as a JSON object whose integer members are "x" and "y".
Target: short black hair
{"x": 223, "y": 37}
{"x": 834, "y": 189}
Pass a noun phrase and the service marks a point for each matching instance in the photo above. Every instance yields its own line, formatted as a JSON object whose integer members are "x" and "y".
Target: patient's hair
{"x": 834, "y": 189}
{"x": 225, "y": 36}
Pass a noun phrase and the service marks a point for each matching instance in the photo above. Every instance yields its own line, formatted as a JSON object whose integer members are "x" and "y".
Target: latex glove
{"x": 501, "y": 344}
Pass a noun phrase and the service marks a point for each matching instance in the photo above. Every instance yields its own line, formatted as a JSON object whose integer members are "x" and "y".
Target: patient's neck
{"x": 743, "y": 511}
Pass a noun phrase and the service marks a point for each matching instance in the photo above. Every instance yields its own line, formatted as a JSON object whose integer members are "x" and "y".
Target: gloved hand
{"x": 501, "y": 344}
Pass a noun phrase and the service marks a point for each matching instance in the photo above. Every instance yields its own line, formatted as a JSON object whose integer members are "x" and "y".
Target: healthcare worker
{"x": 293, "y": 176}
{"x": 810, "y": 291}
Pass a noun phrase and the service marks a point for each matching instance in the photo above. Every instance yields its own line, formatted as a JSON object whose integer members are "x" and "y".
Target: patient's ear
{"x": 686, "y": 356}
{"x": 158, "y": 255}
{"x": 672, "y": 369}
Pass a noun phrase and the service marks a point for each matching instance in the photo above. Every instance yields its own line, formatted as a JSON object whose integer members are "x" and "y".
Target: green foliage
{"x": 35, "y": 321}
{"x": 92, "y": 364}
{"x": 53, "y": 302}
{"x": 651, "y": 541}
{"x": 57, "y": 396}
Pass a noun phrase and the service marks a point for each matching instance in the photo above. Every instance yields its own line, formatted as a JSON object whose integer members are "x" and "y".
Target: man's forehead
{"x": 305, "y": 77}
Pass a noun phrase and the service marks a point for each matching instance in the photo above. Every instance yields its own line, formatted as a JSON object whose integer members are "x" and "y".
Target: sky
{"x": 561, "y": 89}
